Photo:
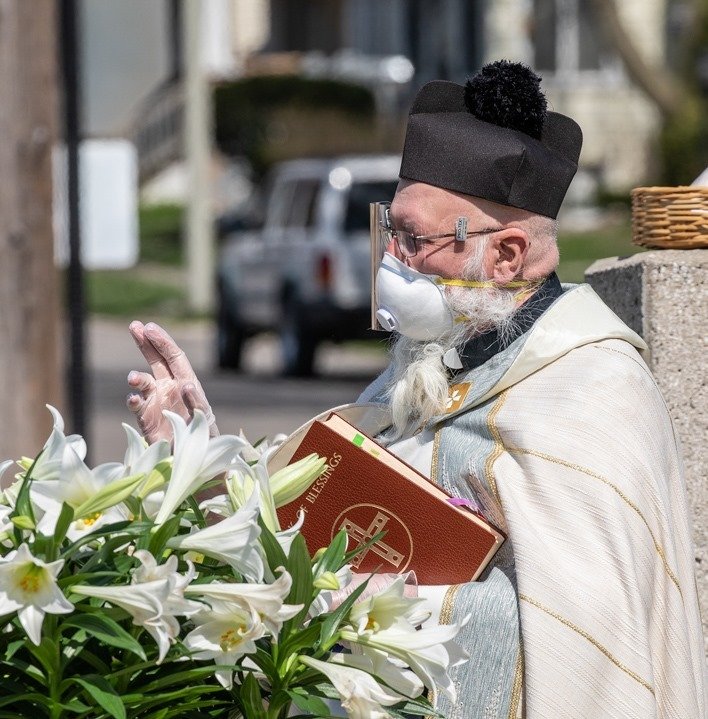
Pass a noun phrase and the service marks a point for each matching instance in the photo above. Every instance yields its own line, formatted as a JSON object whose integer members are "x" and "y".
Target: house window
{"x": 567, "y": 38}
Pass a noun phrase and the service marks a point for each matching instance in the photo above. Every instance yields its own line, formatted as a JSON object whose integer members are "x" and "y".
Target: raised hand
{"x": 172, "y": 384}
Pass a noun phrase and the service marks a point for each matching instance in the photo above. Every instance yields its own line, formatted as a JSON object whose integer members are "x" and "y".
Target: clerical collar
{"x": 483, "y": 347}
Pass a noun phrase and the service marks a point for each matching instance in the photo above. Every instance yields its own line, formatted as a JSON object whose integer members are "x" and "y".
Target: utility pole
{"x": 197, "y": 134}
{"x": 71, "y": 115}
{"x": 30, "y": 372}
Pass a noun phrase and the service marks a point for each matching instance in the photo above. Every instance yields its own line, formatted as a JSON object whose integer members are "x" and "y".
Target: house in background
{"x": 561, "y": 39}
{"x": 582, "y": 75}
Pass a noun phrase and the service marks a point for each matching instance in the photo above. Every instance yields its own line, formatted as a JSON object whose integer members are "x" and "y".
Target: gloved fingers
{"x": 194, "y": 398}
{"x": 170, "y": 353}
{"x": 135, "y": 403}
{"x": 142, "y": 382}
{"x": 156, "y": 361}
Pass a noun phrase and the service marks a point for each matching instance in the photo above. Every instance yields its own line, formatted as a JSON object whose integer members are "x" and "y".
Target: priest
{"x": 504, "y": 383}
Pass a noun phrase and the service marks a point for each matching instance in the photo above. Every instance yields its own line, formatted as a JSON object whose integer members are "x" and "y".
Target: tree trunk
{"x": 657, "y": 83}
{"x": 30, "y": 369}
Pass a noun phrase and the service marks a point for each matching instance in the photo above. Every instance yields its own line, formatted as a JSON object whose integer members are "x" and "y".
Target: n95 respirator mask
{"x": 411, "y": 303}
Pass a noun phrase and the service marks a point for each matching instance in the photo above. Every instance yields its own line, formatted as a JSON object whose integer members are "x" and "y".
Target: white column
{"x": 199, "y": 239}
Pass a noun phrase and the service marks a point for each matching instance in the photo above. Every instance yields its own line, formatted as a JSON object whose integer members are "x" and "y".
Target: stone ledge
{"x": 663, "y": 296}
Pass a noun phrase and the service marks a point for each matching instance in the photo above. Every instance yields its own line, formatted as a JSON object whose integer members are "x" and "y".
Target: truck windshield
{"x": 361, "y": 194}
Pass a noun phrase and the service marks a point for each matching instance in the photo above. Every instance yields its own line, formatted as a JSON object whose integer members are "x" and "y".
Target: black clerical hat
{"x": 494, "y": 139}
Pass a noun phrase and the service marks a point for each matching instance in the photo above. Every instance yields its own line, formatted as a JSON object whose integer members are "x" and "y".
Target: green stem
{"x": 54, "y": 676}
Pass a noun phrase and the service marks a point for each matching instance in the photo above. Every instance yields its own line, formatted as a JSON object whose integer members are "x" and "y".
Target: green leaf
{"x": 251, "y": 698}
{"x": 66, "y": 517}
{"x": 104, "y": 694}
{"x": 302, "y": 591}
{"x": 333, "y": 557}
{"x": 186, "y": 677}
{"x": 165, "y": 531}
{"x": 125, "y": 527}
{"x": 300, "y": 568}
{"x": 274, "y": 552}
{"x": 299, "y": 640}
{"x": 23, "y": 505}
{"x": 110, "y": 495}
{"x": 331, "y": 624}
{"x": 362, "y": 547}
{"x": 105, "y": 630}
{"x": 308, "y": 703}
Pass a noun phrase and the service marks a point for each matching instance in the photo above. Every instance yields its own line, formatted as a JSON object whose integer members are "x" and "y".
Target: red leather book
{"x": 366, "y": 490}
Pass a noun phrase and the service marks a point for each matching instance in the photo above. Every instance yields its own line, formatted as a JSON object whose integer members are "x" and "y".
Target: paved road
{"x": 258, "y": 401}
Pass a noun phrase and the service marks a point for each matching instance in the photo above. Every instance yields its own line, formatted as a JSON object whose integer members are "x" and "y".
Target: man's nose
{"x": 393, "y": 249}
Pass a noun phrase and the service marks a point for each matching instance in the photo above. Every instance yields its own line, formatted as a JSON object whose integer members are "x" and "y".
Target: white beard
{"x": 419, "y": 387}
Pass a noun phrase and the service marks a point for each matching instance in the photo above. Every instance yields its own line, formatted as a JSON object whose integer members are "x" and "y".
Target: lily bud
{"x": 327, "y": 581}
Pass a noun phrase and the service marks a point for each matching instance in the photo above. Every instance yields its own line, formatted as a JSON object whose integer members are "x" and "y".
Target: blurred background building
{"x": 133, "y": 76}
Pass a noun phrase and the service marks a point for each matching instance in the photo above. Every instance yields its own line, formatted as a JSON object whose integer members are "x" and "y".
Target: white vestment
{"x": 588, "y": 473}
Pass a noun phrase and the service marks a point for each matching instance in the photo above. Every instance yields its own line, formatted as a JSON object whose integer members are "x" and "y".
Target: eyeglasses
{"x": 409, "y": 244}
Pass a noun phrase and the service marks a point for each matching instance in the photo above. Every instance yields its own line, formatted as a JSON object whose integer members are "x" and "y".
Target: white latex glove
{"x": 172, "y": 384}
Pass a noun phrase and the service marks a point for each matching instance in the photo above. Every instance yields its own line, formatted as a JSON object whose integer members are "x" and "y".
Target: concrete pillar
{"x": 663, "y": 296}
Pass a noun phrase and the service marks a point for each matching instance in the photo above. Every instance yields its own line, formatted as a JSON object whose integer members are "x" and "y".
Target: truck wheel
{"x": 230, "y": 338}
{"x": 298, "y": 342}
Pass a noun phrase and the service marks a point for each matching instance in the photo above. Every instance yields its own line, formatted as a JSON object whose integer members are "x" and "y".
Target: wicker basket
{"x": 670, "y": 217}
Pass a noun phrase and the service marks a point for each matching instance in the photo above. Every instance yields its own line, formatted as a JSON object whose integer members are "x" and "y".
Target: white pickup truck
{"x": 306, "y": 273}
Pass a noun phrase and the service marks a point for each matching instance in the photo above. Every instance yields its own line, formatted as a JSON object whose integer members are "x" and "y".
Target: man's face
{"x": 427, "y": 210}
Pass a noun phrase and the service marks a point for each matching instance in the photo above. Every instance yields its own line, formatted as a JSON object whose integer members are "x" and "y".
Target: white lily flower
{"x": 233, "y": 540}
{"x": 76, "y": 484}
{"x": 277, "y": 490}
{"x": 219, "y": 505}
{"x": 429, "y": 652}
{"x": 252, "y": 452}
{"x": 393, "y": 673}
{"x": 242, "y": 483}
{"x": 286, "y": 537}
{"x": 48, "y": 464}
{"x": 4, "y": 466}
{"x": 141, "y": 457}
{"x": 361, "y": 695}
{"x": 197, "y": 459}
{"x": 264, "y": 599}
{"x": 28, "y": 586}
{"x": 151, "y": 571}
{"x": 388, "y": 608}
{"x": 224, "y": 633}
{"x": 5, "y": 523}
{"x": 145, "y": 603}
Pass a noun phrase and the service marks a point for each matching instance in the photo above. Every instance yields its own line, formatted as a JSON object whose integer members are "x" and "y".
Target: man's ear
{"x": 510, "y": 247}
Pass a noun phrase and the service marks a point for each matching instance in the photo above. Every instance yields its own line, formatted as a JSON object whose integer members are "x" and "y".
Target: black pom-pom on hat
{"x": 508, "y": 94}
{"x": 493, "y": 139}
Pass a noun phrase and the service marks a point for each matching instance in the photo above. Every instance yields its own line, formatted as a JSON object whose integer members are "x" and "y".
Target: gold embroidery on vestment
{"x": 627, "y": 500}
{"x": 436, "y": 456}
{"x": 518, "y": 683}
{"x": 456, "y": 396}
{"x": 498, "y": 445}
{"x": 592, "y": 640}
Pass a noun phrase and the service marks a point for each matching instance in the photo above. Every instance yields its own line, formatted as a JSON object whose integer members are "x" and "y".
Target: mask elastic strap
{"x": 485, "y": 283}
{"x": 528, "y": 287}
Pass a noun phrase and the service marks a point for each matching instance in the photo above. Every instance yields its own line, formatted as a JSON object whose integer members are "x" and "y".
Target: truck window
{"x": 302, "y": 209}
{"x": 361, "y": 194}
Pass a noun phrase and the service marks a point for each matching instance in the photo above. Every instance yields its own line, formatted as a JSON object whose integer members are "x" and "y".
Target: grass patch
{"x": 120, "y": 294}
{"x": 161, "y": 233}
{"x": 578, "y": 250}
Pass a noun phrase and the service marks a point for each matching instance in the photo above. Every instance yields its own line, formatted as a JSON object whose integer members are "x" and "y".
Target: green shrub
{"x": 270, "y": 118}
